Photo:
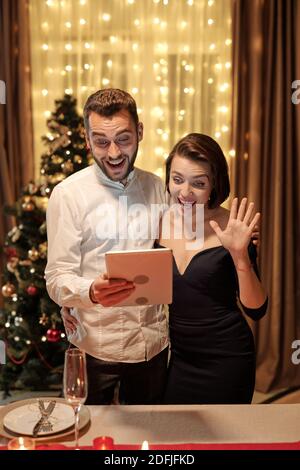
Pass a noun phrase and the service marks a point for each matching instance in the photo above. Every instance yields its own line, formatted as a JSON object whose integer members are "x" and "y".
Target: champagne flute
{"x": 75, "y": 383}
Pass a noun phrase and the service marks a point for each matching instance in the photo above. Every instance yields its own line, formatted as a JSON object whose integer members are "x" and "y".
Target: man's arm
{"x": 64, "y": 281}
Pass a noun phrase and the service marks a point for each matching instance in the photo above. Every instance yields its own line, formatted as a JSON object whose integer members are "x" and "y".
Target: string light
{"x": 216, "y": 66}
{"x": 106, "y": 17}
{"x": 223, "y": 109}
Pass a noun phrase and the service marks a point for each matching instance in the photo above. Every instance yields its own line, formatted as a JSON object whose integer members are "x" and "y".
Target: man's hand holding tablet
{"x": 149, "y": 271}
{"x": 109, "y": 292}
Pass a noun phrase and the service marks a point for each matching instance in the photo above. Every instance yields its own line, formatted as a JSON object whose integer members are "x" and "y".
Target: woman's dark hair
{"x": 108, "y": 102}
{"x": 202, "y": 148}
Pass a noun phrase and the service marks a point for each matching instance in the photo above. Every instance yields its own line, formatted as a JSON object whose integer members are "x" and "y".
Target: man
{"x": 125, "y": 345}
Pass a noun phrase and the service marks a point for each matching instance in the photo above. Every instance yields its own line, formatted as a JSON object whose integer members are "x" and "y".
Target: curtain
{"x": 16, "y": 145}
{"x": 265, "y": 125}
{"x": 174, "y": 57}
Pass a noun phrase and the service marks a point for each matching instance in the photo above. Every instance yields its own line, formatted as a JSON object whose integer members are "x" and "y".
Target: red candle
{"x": 103, "y": 443}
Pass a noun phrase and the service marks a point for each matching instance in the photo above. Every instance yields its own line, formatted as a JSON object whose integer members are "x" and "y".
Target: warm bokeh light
{"x": 173, "y": 57}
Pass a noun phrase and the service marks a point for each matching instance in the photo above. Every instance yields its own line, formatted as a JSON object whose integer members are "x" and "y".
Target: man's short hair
{"x": 108, "y": 102}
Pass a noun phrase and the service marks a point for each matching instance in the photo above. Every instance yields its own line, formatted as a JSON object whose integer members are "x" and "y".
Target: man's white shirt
{"x": 88, "y": 215}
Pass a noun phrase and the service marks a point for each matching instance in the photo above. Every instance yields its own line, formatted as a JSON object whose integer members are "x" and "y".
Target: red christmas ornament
{"x": 53, "y": 335}
{"x": 32, "y": 290}
{"x": 10, "y": 252}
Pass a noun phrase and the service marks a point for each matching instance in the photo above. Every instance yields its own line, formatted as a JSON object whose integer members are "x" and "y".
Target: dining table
{"x": 255, "y": 426}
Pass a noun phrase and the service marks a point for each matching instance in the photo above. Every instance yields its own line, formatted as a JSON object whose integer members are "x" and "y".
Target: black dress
{"x": 212, "y": 347}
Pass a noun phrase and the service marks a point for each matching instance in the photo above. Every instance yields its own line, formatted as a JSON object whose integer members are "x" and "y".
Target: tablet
{"x": 149, "y": 270}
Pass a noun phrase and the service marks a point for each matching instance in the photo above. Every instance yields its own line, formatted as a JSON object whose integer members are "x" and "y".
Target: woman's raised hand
{"x": 237, "y": 235}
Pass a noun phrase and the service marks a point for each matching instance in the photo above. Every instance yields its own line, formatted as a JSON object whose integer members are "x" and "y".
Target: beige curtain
{"x": 16, "y": 146}
{"x": 173, "y": 56}
{"x": 266, "y": 168}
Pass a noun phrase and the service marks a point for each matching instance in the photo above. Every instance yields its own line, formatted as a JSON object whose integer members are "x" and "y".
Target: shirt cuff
{"x": 85, "y": 293}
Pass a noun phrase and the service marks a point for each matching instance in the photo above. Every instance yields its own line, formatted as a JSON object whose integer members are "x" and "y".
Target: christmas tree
{"x": 30, "y": 322}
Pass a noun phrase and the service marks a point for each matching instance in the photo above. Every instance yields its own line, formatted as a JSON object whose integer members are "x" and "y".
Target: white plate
{"x": 22, "y": 420}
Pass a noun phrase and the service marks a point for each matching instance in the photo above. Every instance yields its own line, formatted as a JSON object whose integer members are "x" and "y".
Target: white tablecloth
{"x": 194, "y": 424}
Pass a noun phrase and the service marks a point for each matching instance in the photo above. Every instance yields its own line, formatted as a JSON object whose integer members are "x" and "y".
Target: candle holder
{"x": 21, "y": 443}
{"x": 103, "y": 443}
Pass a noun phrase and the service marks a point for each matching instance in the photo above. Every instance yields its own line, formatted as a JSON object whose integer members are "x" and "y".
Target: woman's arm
{"x": 252, "y": 294}
{"x": 236, "y": 238}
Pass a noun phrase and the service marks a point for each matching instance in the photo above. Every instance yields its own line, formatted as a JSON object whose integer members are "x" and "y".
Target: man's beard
{"x": 129, "y": 169}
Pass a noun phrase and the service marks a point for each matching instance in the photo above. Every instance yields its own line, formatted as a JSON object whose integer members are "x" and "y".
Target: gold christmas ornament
{"x": 77, "y": 159}
{"x": 43, "y": 228}
{"x": 81, "y": 131}
{"x": 53, "y": 179}
{"x": 62, "y": 141}
{"x": 41, "y": 203}
{"x": 33, "y": 254}
{"x": 44, "y": 319}
{"x": 43, "y": 250}
{"x": 28, "y": 206}
{"x": 57, "y": 159}
{"x": 32, "y": 188}
{"x": 67, "y": 167}
{"x": 44, "y": 189}
{"x": 8, "y": 289}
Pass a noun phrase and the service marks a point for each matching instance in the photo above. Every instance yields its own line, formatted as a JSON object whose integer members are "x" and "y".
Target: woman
{"x": 212, "y": 347}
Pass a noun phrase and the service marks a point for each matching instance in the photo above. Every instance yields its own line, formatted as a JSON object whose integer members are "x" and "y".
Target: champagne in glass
{"x": 75, "y": 383}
